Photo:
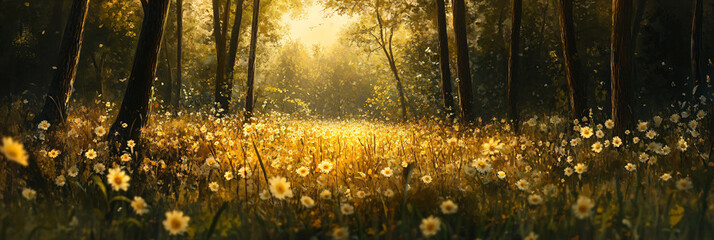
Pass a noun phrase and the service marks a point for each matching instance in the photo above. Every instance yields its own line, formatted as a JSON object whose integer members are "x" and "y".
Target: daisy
{"x": 674, "y": 118}
{"x": 493, "y": 146}
{"x": 280, "y": 188}
{"x": 264, "y": 195}
{"x": 73, "y": 171}
{"x": 139, "y": 205}
{"x": 211, "y": 162}
{"x": 228, "y": 175}
{"x": 682, "y": 145}
{"x": 245, "y": 172}
{"x": 426, "y": 179}
{"x": 176, "y": 223}
{"x": 213, "y": 186}
{"x": 582, "y": 208}
{"x": 325, "y": 166}
{"x": 616, "y": 141}
{"x": 100, "y": 131}
{"x": 568, "y": 171}
{"x": 666, "y": 177}
{"x": 60, "y": 181}
{"x": 307, "y": 202}
{"x": 597, "y": 147}
{"x": 340, "y": 233}
{"x": 125, "y": 157}
{"x": 99, "y": 168}
{"x": 303, "y": 171}
{"x": 29, "y": 194}
{"x": 54, "y": 153}
{"x": 522, "y": 184}
{"x": 586, "y": 132}
{"x": 501, "y": 174}
{"x": 609, "y": 124}
{"x": 535, "y": 199}
{"x": 599, "y": 133}
{"x": 482, "y": 165}
{"x": 531, "y": 236}
{"x": 90, "y": 154}
{"x": 118, "y": 179}
{"x": 14, "y": 151}
{"x": 347, "y": 209}
{"x": 642, "y": 126}
{"x": 684, "y": 184}
{"x": 325, "y": 194}
{"x": 430, "y": 226}
{"x": 44, "y": 125}
{"x": 387, "y": 172}
{"x": 651, "y": 134}
{"x": 448, "y": 207}
{"x": 389, "y": 193}
{"x": 361, "y": 194}
{"x": 581, "y": 168}
{"x": 630, "y": 167}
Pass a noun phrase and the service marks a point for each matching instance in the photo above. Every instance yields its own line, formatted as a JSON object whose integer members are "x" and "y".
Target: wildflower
{"x": 264, "y": 195}
{"x": 213, "y": 186}
{"x": 582, "y": 208}
{"x": 580, "y": 168}
{"x": 597, "y": 147}
{"x": 609, "y": 124}
{"x": 340, "y": 233}
{"x": 90, "y": 154}
{"x": 387, "y": 172}
{"x": 118, "y": 179}
{"x": 125, "y": 157}
{"x": 73, "y": 171}
{"x": 535, "y": 199}
{"x": 449, "y": 207}
{"x": 307, "y": 201}
{"x": 280, "y": 188}
{"x": 616, "y": 141}
{"x": 124, "y": 125}
{"x": 44, "y": 125}
{"x": 674, "y": 118}
{"x": 14, "y": 151}
{"x": 176, "y": 223}
{"x": 522, "y": 184}
{"x": 430, "y": 226}
{"x": 325, "y": 194}
{"x": 325, "y": 166}
{"x": 29, "y": 194}
{"x": 531, "y": 236}
{"x": 99, "y": 168}
{"x": 100, "y": 131}
{"x": 644, "y": 157}
{"x": 347, "y": 209}
{"x": 630, "y": 167}
{"x": 586, "y": 132}
{"x": 491, "y": 147}
{"x": 211, "y": 162}
{"x": 482, "y": 165}
{"x": 568, "y": 171}
{"x": 651, "y": 134}
{"x": 426, "y": 179}
{"x": 245, "y": 172}
{"x": 599, "y": 133}
{"x": 684, "y": 184}
{"x": 139, "y": 205}
{"x": 642, "y": 126}
{"x": 54, "y": 153}
{"x": 469, "y": 171}
{"x": 665, "y": 177}
{"x": 302, "y": 171}
{"x": 682, "y": 145}
{"x": 693, "y": 124}
{"x": 60, "y": 181}
{"x": 701, "y": 114}
{"x": 361, "y": 194}
{"x": 388, "y": 193}
{"x": 501, "y": 174}
{"x": 657, "y": 120}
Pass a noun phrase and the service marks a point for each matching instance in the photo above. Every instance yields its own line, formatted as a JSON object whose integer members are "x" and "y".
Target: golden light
{"x": 316, "y": 27}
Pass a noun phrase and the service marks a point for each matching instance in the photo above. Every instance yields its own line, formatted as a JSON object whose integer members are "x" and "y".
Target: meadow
{"x": 195, "y": 176}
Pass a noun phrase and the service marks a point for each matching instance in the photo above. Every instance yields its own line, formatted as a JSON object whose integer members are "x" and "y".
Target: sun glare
{"x": 316, "y": 27}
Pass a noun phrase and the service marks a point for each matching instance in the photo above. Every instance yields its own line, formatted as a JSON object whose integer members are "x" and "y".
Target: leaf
{"x": 675, "y": 215}
{"x": 215, "y": 220}
{"x": 120, "y": 198}
{"x": 100, "y": 184}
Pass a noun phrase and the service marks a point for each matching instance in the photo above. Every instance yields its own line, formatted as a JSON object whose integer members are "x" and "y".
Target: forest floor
{"x": 200, "y": 177}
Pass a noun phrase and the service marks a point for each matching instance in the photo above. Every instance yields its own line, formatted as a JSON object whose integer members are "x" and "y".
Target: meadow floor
{"x": 199, "y": 177}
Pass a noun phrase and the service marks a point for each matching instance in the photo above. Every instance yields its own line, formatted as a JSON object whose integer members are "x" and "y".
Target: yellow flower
{"x": 303, "y": 171}
{"x": 213, "y": 186}
{"x": 176, "y": 223}
{"x": 139, "y": 205}
{"x": 29, "y": 194}
{"x": 118, "y": 179}
{"x": 586, "y": 132}
{"x": 449, "y": 207}
{"x": 90, "y": 154}
{"x": 308, "y": 202}
{"x": 430, "y": 226}
{"x": 280, "y": 188}
{"x": 325, "y": 166}
{"x": 326, "y": 194}
{"x": 100, "y": 131}
{"x": 14, "y": 151}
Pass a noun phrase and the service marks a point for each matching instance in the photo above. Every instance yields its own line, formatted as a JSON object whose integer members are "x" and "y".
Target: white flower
{"x": 308, "y": 202}
{"x": 213, "y": 186}
{"x": 280, "y": 188}
{"x": 684, "y": 184}
{"x": 586, "y": 132}
{"x": 630, "y": 167}
{"x": 582, "y": 208}
{"x": 387, "y": 172}
{"x": 347, "y": 209}
{"x": 44, "y": 125}
{"x": 118, "y": 179}
{"x": 448, "y": 207}
{"x": 430, "y": 226}
{"x": 426, "y": 179}
{"x": 139, "y": 205}
{"x": 60, "y": 181}
{"x": 522, "y": 184}
{"x": 99, "y": 168}
{"x": 535, "y": 199}
{"x": 176, "y": 223}
{"x": 29, "y": 194}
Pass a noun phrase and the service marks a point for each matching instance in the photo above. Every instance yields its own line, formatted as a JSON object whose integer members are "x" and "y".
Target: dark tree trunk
{"x": 222, "y": 93}
{"x": 621, "y": 65}
{"x": 249, "y": 101}
{"x": 168, "y": 72}
{"x": 573, "y": 76}
{"x": 639, "y": 12}
{"x": 444, "y": 60}
{"x": 135, "y": 106}
{"x": 179, "y": 39}
{"x": 99, "y": 70}
{"x": 462, "y": 62}
{"x": 233, "y": 48}
{"x": 696, "y": 47}
{"x": 55, "y": 108}
{"x": 513, "y": 63}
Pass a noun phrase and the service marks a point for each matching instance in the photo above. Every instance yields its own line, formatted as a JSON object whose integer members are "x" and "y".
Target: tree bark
{"x": 513, "y": 63}
{"x": 696, "y": 47}
{"x": 444, "y": 60}
{"x": 573, "y": 75}
{"x": 179, "y": 39}
{"x": 134, "y": 108}
{"x": 466, "y": 98}
{"x": 233, "y": 48}
{"x": 249, "y": 101}
{"x": 55, "y": 108}
{"x": 621, "y": 65}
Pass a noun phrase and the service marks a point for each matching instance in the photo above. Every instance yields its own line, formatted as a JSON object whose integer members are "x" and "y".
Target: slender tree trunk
{"x": 444, "y": 60}
{"x": 249, "y": 101}
{"x": 573, "y": 76}
{"x": 179, "y": 66}
{"x": 219, "y": 33}
{"x": 621, "y": 65}
{"x": 696, "y": 47}
{"x": 513, "y": 63}
{"x": 400, "y": 87}
{"x": 639, "y": 12}
{"x": 233, "y": 48}
{"x": 55, "y": 108}
{"x": 168, "y": 72}
{"x": 134, "y": 110}
{"x": 462, "y": 62}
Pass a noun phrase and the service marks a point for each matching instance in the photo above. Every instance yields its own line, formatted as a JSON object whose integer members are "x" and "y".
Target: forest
{"x": 356, "y": 119}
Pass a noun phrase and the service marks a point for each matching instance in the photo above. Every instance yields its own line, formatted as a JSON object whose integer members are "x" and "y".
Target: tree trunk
{"x": 135, "y": 105}
{"x": 249, "y": 101}
{"x": 444, "y": 60}
{"x": 233, "y": 48}
{"x": 513, "y": 63}
{"x": 573, "y": 76}
{"x": 639, "y": 12}
{"x": 99, "y": 70}
{"x": 466, "y": 98}
{"x": 696, "y": 47}
{"x": 55, "y": 108}
{"x": 179, "y": 39}
{"x": 219, "y": 33}
{"x": 621, "y": 65}
{"x": 168, "y": 72}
